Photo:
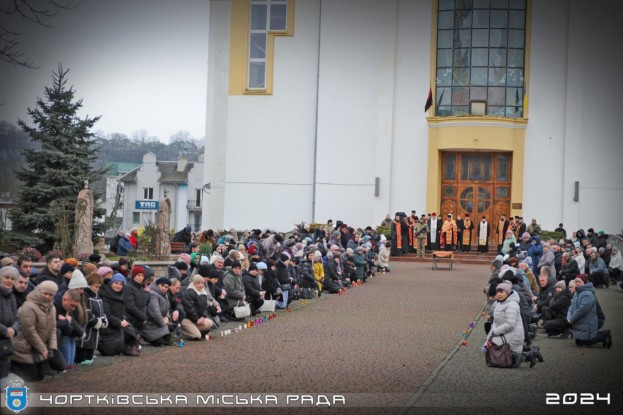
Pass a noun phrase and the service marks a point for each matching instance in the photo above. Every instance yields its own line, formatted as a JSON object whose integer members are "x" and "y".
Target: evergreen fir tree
{"x": 54, "y": 173}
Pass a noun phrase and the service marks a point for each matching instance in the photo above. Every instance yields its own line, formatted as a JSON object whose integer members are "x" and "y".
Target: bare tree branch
{"x": 34, "y": 11}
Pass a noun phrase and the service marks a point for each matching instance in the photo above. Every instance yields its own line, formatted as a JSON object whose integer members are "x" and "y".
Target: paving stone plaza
{"x": 392, "y": 345}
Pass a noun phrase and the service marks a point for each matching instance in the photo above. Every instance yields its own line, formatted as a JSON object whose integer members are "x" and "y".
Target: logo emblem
{"x": 16, "y": 399}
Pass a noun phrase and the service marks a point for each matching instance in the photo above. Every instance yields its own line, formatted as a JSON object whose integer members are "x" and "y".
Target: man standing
{"x": 484, "y": 231}
{"x": 534, "y": 228}
{"x": 501, "y": 231}
{"x": 521, "y": 229}
{"x": 460, "y": 226}
{"x": 466, "y": 238}
{"x": 396, "y": 235}
{"x": 407, "y": 235}
{"x": 421, "y": 233}
{"x": 413, "y": 221}
{"x": 434, "y": 228}
{"x": 448, "y": 233}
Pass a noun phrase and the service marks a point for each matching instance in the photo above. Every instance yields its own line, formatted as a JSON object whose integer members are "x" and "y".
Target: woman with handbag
{"x": 234, "y": 287}
{"x": 198, "y": 304}
{"x": 35, "y": 343}
{"x": 507, "y": 326}
{"x": 8, "y": 317}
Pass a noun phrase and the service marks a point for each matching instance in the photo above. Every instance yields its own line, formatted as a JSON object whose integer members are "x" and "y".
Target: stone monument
{"x": 163, "y": 239}
{"x": 84, "y": 222}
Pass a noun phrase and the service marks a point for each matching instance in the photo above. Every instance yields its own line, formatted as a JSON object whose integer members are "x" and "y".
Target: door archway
{"x": 476, "y": 183}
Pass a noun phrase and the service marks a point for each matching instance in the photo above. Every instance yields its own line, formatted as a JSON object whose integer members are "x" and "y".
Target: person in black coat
{"x": 570, "y": 269}
{"x": 270, "y": 283}
{"x": 135, "y": 299}
{"x": 285, "y": 281}
{"x": 252, "y": 289}
{"x": 556, "y": 322}
{"x": 8, "y": 314}
{"x": 119, "y": 336}
{"x": 185, "y": 235}
{"x": 197, "y": 303}
{"x": 96, "y": 319}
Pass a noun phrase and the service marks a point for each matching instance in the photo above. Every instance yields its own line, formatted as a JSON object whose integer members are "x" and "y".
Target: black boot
{"x": 536, "y": 351}
{"x": 530, "y": 358}
{"x": 518, "y": 359}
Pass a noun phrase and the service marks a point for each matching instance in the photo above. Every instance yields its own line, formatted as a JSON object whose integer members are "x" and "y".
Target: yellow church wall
{"x": 477, "y": 134}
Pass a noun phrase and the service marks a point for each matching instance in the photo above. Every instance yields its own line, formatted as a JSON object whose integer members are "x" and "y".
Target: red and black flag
{"x": 429, "y": 100}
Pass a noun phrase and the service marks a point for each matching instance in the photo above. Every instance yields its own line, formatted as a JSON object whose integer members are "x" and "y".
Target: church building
{"x": 353, "y": 109}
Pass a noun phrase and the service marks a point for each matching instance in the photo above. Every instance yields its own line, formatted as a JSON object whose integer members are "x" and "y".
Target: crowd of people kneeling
{"x": 56, "y": 318}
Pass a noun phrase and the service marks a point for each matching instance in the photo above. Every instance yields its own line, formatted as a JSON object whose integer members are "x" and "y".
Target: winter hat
{"x": 525, "y": 236}
{"x": 72, "y": 261}
{"x": 204, "y": 270}
{"x": 77, "y": 280}
{"x": 236, "y": 264}
{"x": 94, "y": 257}
{"x": 164, "y": 281}
{"x": 349, "y": 251}
{"x": 138, "y": 270}
{"x": 252, "y": 266}
{"x": 528, "y": 261}
{"x": 123, "y": 261}
{"x": 6, "y": 262}
{"x": 103, "y": 271}
{"x": 496, "y": 263}
{"x": 284, "y": 256}
{"x": 289, "y": 242}
{"x": 252, "y": 250}
{"x": 50, "y": 287}
{"x": 204, "y": 260}
{"x": 545, "y": 245}
{"x": 561, "y": 284}
{"x": 299, "y": 254}
{"x": 118, "y": 278}
{"x": 9, "y": 271}
{"x": 66, "y": 268}
{"x": 504, "y": 286}
{"x": 360, "y": 249}
{"x": 185, "y": 257}
{"x": 148, "y": 272}
{"x": 261, "y": 265}
{"x": 582, "y": 277}
{"x": 88, "y": 268}
{"x": 317, "y": 254}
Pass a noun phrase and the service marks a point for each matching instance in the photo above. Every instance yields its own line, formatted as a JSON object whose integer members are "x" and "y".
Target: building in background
{"x": 145, "y": 186}
{"x": 315, "y": 110}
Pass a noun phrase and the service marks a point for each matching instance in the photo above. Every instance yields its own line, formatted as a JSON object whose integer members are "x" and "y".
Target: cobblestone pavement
{"x": 392, "y": 345}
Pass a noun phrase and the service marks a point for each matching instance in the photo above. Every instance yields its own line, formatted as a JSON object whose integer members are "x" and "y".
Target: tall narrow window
{"x": 197, "y": 197}
{"x": 266, "y": 16}
{"x": 480, "y": 56}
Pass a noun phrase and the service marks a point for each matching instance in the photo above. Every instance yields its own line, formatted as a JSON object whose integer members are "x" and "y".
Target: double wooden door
{"x": 478, "y": 184}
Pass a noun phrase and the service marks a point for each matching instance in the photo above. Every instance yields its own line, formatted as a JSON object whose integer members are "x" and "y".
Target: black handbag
{"x": 499, "y": 356}
{"x": 6, "y": 348}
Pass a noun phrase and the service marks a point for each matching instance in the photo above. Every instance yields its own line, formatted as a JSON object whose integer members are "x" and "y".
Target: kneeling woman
{"x": 119, "y": 336}
{"x": 157, "y": 329}
{"x": 197, "y": 303}
{"x": 507, "y": 322}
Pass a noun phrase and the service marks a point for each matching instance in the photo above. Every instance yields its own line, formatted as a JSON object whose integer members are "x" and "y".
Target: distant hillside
{"x": 113, "y": 148}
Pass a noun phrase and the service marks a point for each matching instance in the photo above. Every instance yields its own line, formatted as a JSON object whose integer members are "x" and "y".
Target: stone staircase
{"x": 473, "y": 257}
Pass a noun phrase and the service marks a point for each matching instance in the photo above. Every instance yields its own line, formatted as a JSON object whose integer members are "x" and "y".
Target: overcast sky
{"x": 140, "y": 64}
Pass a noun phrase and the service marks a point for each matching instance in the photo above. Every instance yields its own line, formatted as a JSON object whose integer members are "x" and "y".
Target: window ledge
{"x": 476, "y": 121}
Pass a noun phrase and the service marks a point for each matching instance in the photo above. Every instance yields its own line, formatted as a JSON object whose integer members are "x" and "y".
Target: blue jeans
{"x": 283, "y": 302}
{"x": 67, "y": 347}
